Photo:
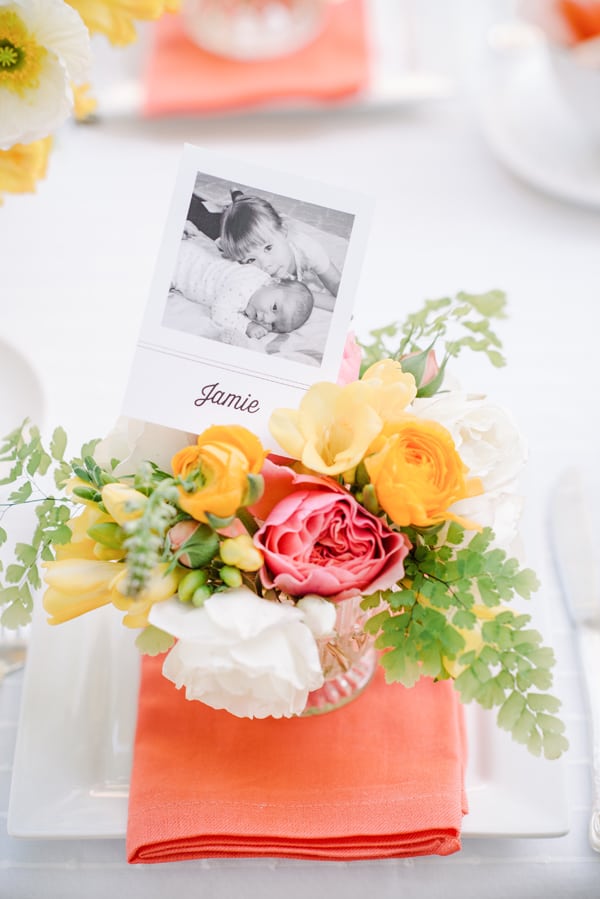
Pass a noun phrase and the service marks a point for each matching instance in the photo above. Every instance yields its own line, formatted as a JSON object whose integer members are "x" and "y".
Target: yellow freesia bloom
{"x": 122, "y": 502}
{"x": 81, "y": 545}
{"x": 23, "y": 166}
{"x": 332, "y": 428}
{"x": 76, "y": 586}
{"x": 391, "y": 389}
{"x": 162, "y": 585}
{"x": 115, "y": 18}
{"x": 418, "y": 474}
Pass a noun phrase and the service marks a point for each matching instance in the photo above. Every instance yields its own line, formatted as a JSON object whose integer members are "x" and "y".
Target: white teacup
{"x": 577, "y": 72}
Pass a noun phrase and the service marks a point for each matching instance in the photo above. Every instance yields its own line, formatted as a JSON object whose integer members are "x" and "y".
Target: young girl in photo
{"x": 253, "y": 232}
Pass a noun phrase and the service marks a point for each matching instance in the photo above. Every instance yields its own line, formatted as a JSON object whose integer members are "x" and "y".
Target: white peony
{"x": 44, "y": 48}
{"x": 491, "y": 446}
{"x": 250, "y": 656}
{"x": 133, "y": 442}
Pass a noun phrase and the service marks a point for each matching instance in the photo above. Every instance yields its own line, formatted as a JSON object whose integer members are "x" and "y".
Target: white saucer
{"x": 22, "y": 392}
{"x": 534, "y": 133}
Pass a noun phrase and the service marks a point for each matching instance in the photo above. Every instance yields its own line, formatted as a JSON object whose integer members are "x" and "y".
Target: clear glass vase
{"x": 348, "y": 659}
{"x": 253, "y": 29}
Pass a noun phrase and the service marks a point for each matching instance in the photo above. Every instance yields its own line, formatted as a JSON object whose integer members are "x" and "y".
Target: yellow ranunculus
{"x": 241, "y": 552}
{"x": 162, "y": 585}
{"x": 218, "y": 467}
{"x": 23, "y": 165}
{"x": 122, "y": 502}
{"x": 76, "y": 586}
{"x": 115, "y": 18}
{"x": 331, "y": 430}
{"x": 391, "y": 389}
{"x": 418, "y": 474}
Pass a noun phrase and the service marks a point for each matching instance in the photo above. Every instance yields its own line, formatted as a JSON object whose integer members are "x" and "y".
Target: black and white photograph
{"x": 258, "y": 270}
{"x": 252, "y": 295}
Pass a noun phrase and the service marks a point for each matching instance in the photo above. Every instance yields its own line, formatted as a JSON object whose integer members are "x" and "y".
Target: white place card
{"x": 251, "y": 298}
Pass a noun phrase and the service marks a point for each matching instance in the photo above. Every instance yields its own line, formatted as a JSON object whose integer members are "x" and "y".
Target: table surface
{"x": 77, "y": 260}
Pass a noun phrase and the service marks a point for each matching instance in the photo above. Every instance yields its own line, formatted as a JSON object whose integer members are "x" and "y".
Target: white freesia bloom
{"x": 491, "y": 446}
{"x": 132, "y": 442}
{"x": 253, "y": 657}
{"x": 44, "y": 47}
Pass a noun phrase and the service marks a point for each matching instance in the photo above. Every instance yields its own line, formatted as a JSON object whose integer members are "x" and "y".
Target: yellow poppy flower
{"x": 44, "y": 47}
{"x": 115, "y": 18}
{"x": 23, "y": 166}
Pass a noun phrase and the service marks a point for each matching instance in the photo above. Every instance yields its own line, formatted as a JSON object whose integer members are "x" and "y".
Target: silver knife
{"x": 574, "y": 555}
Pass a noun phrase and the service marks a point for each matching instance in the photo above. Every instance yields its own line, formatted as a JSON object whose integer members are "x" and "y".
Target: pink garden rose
{"x": 318, "y": 539}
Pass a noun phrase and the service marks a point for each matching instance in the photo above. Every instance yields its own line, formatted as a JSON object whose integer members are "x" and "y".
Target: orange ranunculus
{"x": 242, "y": 438}
{"x": 217, "y": 470}
{"x": 418, "y": 474}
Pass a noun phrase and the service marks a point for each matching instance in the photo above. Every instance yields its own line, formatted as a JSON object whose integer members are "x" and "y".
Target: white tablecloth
{"x": 77, "y": 260}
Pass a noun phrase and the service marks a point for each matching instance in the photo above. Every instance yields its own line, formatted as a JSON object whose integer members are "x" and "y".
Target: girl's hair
{"x": 247, "y": 223}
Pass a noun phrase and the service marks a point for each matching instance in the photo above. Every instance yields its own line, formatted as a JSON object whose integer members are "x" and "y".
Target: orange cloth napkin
{"x": 180, "y": 78}
{"x": 382, "y": 777}
{"x": 583, "y": 18}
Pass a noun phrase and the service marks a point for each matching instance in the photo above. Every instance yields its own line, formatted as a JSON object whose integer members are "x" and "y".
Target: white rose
{"x": 250, "y": 656}
{"x": 486, "y": 437}
{"x": 319, "y": 614}
{"x": 491, "y": 446}
{"x": 133, "y": 442}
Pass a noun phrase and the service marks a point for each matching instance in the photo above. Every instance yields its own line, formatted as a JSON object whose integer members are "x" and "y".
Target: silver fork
{"x": 13, "y": 649}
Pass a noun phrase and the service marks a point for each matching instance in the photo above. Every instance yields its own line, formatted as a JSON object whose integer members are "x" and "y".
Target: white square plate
{"x": 75, "y": 740}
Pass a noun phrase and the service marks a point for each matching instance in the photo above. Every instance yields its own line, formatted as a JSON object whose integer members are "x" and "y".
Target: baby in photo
{"x": 254, "y": 233}
{"x": 242, "y": 300}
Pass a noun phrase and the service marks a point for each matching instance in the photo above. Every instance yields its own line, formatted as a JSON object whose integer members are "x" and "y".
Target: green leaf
{"x": 3, "y": 536}
{"x": 26, "y": 553}
{"x": 152, "y": 641}
{"x": 58, "y": 444}
{"x": 15, "y": 616}
{"x": 22, "y": 494}
{"x": 511, "y": 711}
{"x": 14, "y": 573}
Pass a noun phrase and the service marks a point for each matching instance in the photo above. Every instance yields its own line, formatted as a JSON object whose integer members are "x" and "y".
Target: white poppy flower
{"x": 253, "y": 657}
{"x": 44, "y": 47}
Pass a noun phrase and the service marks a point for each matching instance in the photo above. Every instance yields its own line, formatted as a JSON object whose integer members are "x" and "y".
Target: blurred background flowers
{"x": 44, "y": 65}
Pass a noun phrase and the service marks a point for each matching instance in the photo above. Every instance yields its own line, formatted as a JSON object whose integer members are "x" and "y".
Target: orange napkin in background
{"x": 180, "y": 78}
{"x": 382, "y": 777}
{"x": 583, "y": 18}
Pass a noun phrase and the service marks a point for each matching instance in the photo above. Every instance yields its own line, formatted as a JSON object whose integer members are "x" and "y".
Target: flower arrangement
{"x": 390, "y": 499}
{"x": 45, "y": 57}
